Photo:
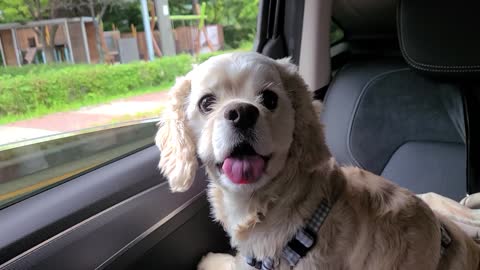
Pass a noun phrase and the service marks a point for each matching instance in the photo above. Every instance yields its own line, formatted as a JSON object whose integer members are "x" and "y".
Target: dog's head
{"x": 246, "y": 116}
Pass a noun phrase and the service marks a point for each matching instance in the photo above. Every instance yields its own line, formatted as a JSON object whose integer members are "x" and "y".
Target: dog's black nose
{"x": 242, "y": 115}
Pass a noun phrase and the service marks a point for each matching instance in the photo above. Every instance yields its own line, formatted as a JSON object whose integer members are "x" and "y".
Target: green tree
{"x": 123, "y": 16}
{"x": 13, "y": 11}
{"x": 233, "y": 12}
{"x": 238, "y": 17}
{"x": 180, "y": 7}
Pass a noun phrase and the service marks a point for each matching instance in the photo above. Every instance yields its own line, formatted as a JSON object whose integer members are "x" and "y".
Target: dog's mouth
{"x": 243, "y": 165}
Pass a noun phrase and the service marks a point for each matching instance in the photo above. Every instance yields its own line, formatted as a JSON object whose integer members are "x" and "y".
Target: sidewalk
{"x": 84, "y": 118}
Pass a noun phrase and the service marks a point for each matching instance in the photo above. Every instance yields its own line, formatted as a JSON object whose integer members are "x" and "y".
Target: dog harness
{"x": 299, "y": 245}
{"x": 305, "y": 238}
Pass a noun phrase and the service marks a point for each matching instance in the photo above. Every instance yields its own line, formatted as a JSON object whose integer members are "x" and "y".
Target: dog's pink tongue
{"x": 244, "y": 170}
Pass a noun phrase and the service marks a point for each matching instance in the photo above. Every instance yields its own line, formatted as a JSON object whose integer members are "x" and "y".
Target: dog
{"x": 276, "y": 189}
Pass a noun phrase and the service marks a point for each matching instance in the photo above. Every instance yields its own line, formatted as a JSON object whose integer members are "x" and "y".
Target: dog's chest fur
{"x": 263, "y": 227}
{"x": 357, "y": 234}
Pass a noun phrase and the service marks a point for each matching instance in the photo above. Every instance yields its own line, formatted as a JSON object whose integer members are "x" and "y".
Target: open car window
{"x": 336, "y": 33}
{"x": 82, "y": 86}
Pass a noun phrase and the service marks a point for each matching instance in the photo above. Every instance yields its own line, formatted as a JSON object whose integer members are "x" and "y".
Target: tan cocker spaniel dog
{"x": 275, "y": 187}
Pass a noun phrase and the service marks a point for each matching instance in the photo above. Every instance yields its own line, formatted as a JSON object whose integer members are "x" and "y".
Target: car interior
{"x": 399, "y": 99}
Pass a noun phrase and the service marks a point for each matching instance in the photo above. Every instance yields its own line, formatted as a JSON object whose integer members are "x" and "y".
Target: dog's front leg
{"x": 222, "y": 261}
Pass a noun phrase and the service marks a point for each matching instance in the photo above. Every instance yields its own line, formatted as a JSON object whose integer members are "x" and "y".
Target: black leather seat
{"x": 387, "y": 117}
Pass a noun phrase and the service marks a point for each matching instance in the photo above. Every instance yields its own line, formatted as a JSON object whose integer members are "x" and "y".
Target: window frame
{"x": 120, "y": 141}
{"x": 38, "y": 219}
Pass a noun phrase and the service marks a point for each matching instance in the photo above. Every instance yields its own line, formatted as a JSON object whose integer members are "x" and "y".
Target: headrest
{"x": 440, "y": 36}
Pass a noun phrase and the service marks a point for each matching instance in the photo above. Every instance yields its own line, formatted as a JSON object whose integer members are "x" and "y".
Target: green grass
{"x": 31, "y": 69}
{"x": 138, "y": 116}
{"x": 36, "y": 90}
{"x": 42, "y": 111}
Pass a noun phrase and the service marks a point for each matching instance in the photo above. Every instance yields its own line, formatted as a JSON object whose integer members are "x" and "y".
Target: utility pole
{"x": 165, "y": 27}
{"x": 147, "y": 30}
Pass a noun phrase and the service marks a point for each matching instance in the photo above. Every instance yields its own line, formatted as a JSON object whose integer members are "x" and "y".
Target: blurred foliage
{"x": 15, "y": 11}
{"x": 35, "y": 90}
{"x": 122, "y": 16}
{"x": 238, "y": 18}
{"x": 35, "y": 87}
{"x": 336, "y": 33}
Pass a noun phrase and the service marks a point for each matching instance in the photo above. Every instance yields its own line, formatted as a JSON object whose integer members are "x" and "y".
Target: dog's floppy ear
{"x": 287, "y": 66}
{"x": 309, "y": 143}
{"x": 178, "y": 160}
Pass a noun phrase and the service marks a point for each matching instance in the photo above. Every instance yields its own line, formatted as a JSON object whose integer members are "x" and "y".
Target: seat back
{"x": 384, "y": 117}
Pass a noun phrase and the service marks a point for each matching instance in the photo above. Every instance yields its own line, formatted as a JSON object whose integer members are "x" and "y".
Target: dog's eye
{"x": 206, "y": 102}
{"x": 269, "y": 99}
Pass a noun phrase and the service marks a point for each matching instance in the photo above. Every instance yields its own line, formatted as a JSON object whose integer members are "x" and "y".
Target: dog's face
{"x": 235, "y": 113}
{"x": 242, "y": 119}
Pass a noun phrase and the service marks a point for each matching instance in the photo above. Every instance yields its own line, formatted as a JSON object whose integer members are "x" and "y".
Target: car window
{"x": 336, "y": 33}
{"x": 83, "y": 82}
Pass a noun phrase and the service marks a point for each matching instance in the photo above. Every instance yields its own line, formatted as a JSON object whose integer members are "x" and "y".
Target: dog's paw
{"x": 217, "y": 261}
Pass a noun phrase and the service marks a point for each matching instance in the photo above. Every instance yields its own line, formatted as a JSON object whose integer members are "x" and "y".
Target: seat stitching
{"x": 355, "y": 110}
{"x": 423, "y": 66}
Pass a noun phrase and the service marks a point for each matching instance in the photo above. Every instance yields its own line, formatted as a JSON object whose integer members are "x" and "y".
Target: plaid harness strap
{"x": 299, "y": 245}
{"x": 305, "y": 239}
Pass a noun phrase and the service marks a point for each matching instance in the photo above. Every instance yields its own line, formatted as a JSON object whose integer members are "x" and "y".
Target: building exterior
{"x": 74, "y": 42}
